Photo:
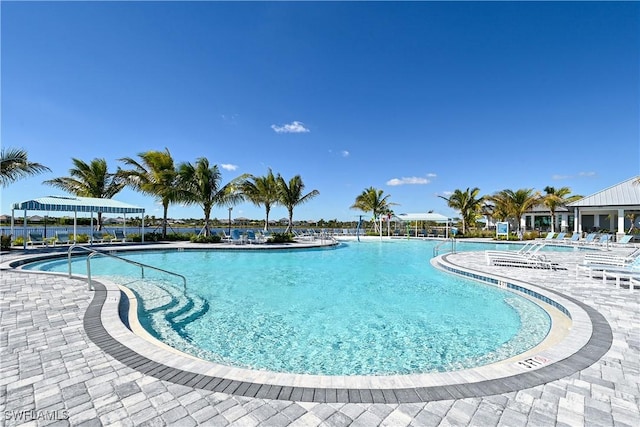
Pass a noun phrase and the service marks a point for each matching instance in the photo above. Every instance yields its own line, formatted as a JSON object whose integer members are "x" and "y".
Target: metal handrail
{"x": 453, "y": 246}
{"x": 128, "y": 261}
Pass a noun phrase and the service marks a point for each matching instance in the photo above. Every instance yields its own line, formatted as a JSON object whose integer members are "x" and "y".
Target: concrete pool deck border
{"x": 590, "y": 338}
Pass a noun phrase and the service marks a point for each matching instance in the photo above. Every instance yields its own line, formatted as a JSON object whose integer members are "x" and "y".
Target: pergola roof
{"x": 626, "y": 193}
{"x": 77, "y": 204}
{"x": 436, "y": 217}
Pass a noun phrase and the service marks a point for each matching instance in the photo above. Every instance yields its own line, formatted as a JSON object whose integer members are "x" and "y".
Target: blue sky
{"x": 415, "y": 98}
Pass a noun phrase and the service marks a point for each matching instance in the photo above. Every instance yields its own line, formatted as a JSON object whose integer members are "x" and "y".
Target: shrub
{"x": 214, "y": 238}
{"x": 281, "y": 238}
{"x": 5, "y": 242}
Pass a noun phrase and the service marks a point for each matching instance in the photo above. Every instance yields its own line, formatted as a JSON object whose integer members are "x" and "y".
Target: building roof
{"x": 626, "y": 193}
{"x": 77, "y": 204}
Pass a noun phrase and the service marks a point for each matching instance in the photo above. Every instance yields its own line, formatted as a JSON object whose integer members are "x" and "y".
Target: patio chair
{"x": 624, "y": 240}
{"x": 588, "y": 240}
{"x": 97, "y": 236}
{"x": 119, "y": 236}
{"x": 37, "y": 239}
{"x": 549, "y": 236}
{"x": 236, "y": 237}
{"x": 252, "y": 237}
{"x": 575, "y": 238}
{"x": 62, "y": 238}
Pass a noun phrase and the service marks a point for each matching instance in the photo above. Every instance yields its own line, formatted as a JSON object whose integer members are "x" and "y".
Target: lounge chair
{"x": 588, "y": 240}
{"x": 624, "y": 240}
{"x": 119, "y": 236}
{"x": 575, "y": 238}
{"x": 37, "y": 239}
{"x": 62, "y": 238}
{"x": 595, "y": 264}
{"x": 633, "y": 277}
{"x": 97, "y": 236}
{"x": 603, "y": 240}
{"x": 528, "y": 256}
{"x": 252, "y": 237}
{"x": 559, "y": 237}
{"x": 549, "y": 236}
{"x": 506, "y": 259}
{"x": 236, "y": 237}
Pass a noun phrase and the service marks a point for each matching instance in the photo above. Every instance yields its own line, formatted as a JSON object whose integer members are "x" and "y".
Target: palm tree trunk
{"x": 207, "y": 214}
{"x": 266, "y": 221}
{"x": 290, "y": 226}
{"x": 165, "y": 208}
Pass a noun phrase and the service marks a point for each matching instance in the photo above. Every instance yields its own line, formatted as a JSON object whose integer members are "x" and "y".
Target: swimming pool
{"x": 375, "y": 308}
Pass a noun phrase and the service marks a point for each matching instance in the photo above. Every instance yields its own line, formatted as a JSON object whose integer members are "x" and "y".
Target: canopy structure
{"x": 75, "y": 204}
{"x": 428, "y": 216}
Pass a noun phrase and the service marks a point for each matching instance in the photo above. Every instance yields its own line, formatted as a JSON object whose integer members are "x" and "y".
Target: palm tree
{"x": 156, "y": 175}
{"x": 262, "y": 190}
{"x": 371, "y": 200}
{"x": 468, "y": 203}
{"x": 291, "y": 195}
{"x": 200, "y": 184}
{"x": 555, "y": 198}
{"x": 15, "y": 165}
{"x": 89, "y": 180}
{"x": 516, "y": 203}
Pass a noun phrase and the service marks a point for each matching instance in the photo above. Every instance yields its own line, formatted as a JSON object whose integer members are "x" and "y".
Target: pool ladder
{"x": 142, "y": 266}
{"x": 451, "y": 240}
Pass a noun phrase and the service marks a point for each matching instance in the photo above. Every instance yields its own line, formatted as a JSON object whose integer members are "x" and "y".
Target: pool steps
{"x": 168, "y": 305}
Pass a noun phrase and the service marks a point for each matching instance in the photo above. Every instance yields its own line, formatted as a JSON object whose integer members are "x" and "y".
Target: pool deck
{"x": 53, "y": 372}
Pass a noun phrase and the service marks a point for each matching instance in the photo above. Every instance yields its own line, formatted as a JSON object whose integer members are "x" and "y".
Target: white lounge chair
{"x": 594, "y": 264}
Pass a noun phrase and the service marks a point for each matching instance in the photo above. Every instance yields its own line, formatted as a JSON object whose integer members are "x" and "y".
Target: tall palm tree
{"x": 155, "y": 175}
{"x": 200, "y": 184}
{"x": 372, "y": 200}
{"x": 15, "y": 165}
{"x": 516, "y": 203}
{"x": 89, "y": 180}
{"x": 555, "y": 198}
{"x": 262, "y": 190}
{"x": 468, "y": 203}
{"x": 291, "y": 195}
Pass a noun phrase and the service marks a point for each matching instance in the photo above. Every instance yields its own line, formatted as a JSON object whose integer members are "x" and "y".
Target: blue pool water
{"x": 374, "y": 308}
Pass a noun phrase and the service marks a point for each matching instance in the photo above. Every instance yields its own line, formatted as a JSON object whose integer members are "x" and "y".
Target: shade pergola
{"x": 428, "y": 216}
{"x": 75, "y": 204}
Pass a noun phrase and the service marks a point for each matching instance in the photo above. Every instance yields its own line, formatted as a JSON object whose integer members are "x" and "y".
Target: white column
{"x": 577, "y": 221}
{"x": 620, "y": 232}
{"x": 596, "y": 220}
{"x": 563, "y": 221}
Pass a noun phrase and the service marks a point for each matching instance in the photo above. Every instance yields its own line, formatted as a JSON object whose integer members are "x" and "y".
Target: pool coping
{"x": 590, "y": 337}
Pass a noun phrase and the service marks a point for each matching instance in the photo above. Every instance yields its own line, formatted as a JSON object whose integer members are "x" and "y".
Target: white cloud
{"x": 431, "y": 175}
{"x": 344, "y": 153}
{"x": 229, "y": 166}
{"x": 293, "y": 127}
{"x": 408, "y": 180}
{"x": 580, "y": 174}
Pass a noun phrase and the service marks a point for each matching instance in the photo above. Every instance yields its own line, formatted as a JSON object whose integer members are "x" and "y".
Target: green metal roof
{"x": 77, "y": 204}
